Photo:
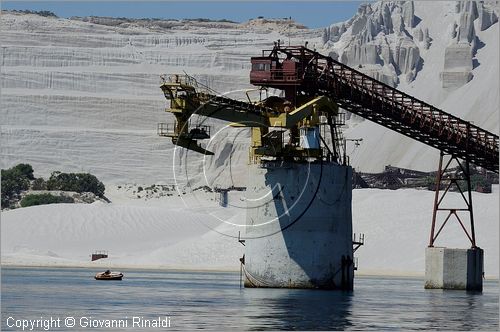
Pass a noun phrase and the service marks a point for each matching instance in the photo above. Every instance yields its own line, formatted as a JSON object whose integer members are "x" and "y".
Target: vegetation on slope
{"x": 41, "y": 199}
{"x": 14, "y": 181}
{"x": 19, "y": 179}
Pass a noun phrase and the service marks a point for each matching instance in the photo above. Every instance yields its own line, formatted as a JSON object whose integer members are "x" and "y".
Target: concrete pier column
{"x": 449, "y": 268}
{"x": 299, "y": 226}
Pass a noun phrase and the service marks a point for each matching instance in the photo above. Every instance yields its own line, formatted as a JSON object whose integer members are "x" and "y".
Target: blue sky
{"x": 313, "y": 14}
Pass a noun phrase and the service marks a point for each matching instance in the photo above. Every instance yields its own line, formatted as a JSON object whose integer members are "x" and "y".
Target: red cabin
{"x": 261, "y": 70}
{"x": 275, "y": 72}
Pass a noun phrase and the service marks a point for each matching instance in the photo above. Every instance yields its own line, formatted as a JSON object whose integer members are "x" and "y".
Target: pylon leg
{"x": 450, "y": 268}
{"x": 443, "y": 177}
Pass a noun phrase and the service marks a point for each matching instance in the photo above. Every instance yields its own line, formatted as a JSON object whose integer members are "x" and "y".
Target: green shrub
{"x": 478, "y": 180}
{"x": 79, "y": 182}
{"x": 45, "y": 13}
{"x": 41, "y": 199}
{"x": 25, "y": 170}
{"x": 14, "y": 181}
{"x": 39, "y": 184}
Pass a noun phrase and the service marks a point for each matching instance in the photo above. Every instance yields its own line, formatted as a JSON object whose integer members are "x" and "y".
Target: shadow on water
{"x": 295, "y": 309}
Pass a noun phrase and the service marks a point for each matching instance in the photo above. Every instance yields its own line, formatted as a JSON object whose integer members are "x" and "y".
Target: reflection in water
{"x": 292, "y": 309}
{"x": 209, "y": 300}
{"x": 456, "y": 308}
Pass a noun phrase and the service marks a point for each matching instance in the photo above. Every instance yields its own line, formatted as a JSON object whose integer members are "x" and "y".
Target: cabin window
{"x": 261, "y": 66}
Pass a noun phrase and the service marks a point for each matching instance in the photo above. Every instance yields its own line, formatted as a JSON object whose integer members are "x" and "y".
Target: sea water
{"x": 71, "y": 300}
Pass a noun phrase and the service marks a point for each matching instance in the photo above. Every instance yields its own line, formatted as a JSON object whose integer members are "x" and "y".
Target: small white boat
{"x": 108, "y": 275}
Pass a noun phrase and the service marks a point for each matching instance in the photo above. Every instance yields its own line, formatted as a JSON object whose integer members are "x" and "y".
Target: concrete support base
{"x": 299, "y": 226}
{"x": 447, "y": 268}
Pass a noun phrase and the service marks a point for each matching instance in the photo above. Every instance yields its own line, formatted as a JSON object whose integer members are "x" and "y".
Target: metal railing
{"x": 166, "y": 129}
{"x": 186, "y": 79}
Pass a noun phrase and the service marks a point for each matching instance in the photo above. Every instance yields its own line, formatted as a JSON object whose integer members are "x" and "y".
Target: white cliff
{"x": 442, "y": 58}
{"x": 83, "y": 94}
{"x": 380, "y": 40}
{"x": 459, "y": 55}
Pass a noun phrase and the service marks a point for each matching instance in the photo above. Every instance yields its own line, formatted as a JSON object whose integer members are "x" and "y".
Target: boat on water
{"x": 108, "y": 275}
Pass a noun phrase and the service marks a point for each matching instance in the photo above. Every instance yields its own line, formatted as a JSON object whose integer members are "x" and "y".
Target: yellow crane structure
{"x": 268, "y": 119}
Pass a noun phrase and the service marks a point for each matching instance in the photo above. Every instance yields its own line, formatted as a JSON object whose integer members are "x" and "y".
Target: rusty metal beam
{"x": 362, "y": 95}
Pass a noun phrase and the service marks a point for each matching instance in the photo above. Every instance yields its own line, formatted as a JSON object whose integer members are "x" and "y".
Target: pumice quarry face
{"x": 85, "y": 89}
{"x": 82, "y": 95}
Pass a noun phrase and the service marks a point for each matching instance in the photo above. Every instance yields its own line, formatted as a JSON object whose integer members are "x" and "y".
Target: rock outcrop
{"x": 457, "y": 65}
{"x": 458, "y": 58}
{"x": 385, "y": 40}
{"x": 382, "y": 39}
{"x": 487, "y": 16}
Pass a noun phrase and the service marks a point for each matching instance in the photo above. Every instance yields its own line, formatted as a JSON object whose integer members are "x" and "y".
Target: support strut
{"x": 448, "y": 179}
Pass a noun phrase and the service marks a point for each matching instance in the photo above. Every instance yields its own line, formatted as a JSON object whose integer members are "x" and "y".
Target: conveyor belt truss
{"x": 360, "y": 94}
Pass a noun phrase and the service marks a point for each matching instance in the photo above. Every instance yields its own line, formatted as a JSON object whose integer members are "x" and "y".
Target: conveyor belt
{"x": 365, "y": 96}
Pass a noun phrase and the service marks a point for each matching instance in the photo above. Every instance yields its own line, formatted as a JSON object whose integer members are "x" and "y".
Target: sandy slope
{"x": 167, "y": 233}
